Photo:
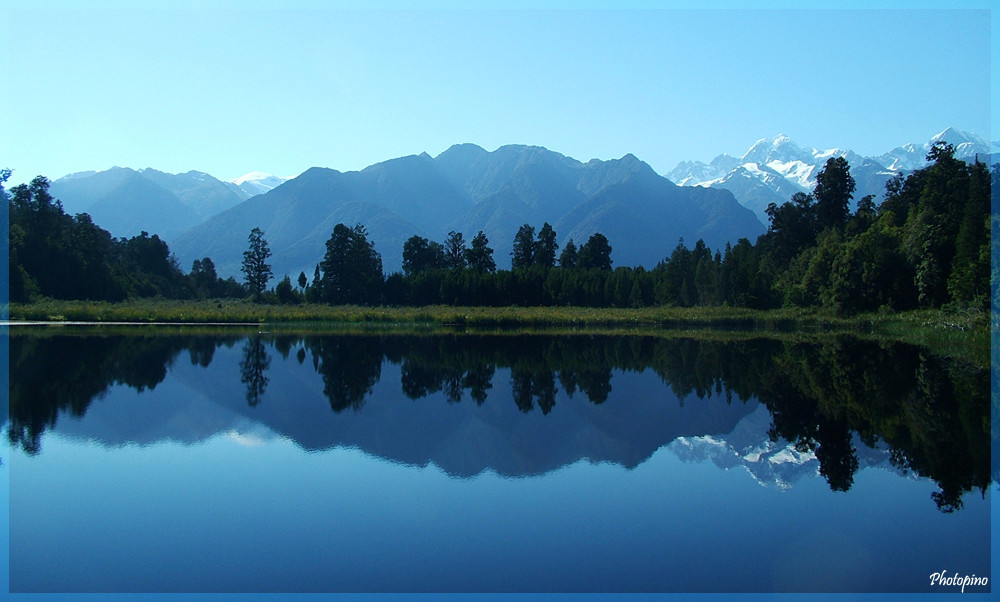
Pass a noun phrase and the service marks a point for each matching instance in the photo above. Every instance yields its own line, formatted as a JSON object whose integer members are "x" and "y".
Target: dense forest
{"x": 925, "y": 245}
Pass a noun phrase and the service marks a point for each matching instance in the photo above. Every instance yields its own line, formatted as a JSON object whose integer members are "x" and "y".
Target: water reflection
{"x": 253, "y": 369}
{"x": 527, "y": 404}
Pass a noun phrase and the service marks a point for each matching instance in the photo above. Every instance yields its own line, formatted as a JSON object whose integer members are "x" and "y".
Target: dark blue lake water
{"x": 180, "y": 460}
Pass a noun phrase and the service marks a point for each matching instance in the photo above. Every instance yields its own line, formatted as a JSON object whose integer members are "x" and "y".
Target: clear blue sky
{"x": 89, "y": 85}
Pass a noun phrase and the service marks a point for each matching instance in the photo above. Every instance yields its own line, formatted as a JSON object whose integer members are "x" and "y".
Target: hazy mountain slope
{"x": 498, "y": 217}
{"x": 641, "y": 213}
{"x": 137, "y": 205}
{"x": 205, "y": 195}
{"x": 467, "y": 189}
{"x": 645, "y": 216}
{"x": 414, "y": 189}
{"x": 79, "y": 191}
{"x": 531, "y": 170}
{"x": 298, "y": 218}
{"x": 125, "y": 201}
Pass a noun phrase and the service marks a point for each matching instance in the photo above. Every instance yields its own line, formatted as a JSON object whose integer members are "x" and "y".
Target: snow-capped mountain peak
{"x": 914, "y": 156}
{"x": 258, "y": 182}
{"x": 779, "y": 148}
{"x": 956, "y": 138}
{"x": 253, "y": 176}
{"x": 774, "y": 168}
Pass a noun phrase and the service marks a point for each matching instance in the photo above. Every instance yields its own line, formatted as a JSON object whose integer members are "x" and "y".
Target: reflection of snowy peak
{"x": 770, "y": 463}
{"x": 773, "y": 169}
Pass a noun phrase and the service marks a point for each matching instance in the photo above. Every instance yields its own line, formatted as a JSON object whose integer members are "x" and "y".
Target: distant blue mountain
{"x": 468, "y": 189}
{"x": 126, "y": 202}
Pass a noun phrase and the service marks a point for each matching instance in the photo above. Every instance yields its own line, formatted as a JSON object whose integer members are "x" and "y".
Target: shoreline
{"x": 962, "y": 329}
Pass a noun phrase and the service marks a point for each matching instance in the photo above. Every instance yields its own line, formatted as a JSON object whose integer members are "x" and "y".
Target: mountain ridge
{"x": 126, "y": 201}
{"x": 773, "y": 169}
{"x": 468, "y": 189}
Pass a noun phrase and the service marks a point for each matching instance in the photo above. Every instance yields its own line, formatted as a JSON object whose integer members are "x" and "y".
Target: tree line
{"x": 926, "y": 245}
{"x": 52, "y": 254}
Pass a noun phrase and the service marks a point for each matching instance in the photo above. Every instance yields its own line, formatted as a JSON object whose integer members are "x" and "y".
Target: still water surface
{"x": 172, "y": 460}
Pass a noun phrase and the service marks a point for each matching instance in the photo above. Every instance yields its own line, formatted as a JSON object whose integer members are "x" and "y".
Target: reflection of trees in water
{"x": 349, "y": 366}
{"x": 931, "y": 411}
{"x": 530, "y": 386}
{"x": 65, "y": 373}
{"x": 450, "y": 365}
{"x": 928, "y": 409}
{"x": 253, "y": 369}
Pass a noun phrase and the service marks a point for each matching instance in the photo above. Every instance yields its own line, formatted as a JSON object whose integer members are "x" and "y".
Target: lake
{"x": 180, "y": 459}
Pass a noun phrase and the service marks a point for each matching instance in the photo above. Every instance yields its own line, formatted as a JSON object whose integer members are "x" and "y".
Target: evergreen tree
{"x": 568, "y": 257}
{"x": 480, "y": 257}
{"x": 352, "y": 268}
{"x": 968, "y": 280}
{"x": 595, "y": 253}
{"x": 454, "y": 251}
{"x": 793, "y": 228}
{"x": 256, "y": 270}
{"x": 315, "y": 292}
{"x": 524, "y": 247}
{"x": 932, "y": 224}
{"x": 421, "y": 255}
{"x": 285, "y": 292}
{"x": 864, "y": 217}
{"x": 544, "y": 249}
{"x": 204, "y": 279}
{"x": 833, "y": 193}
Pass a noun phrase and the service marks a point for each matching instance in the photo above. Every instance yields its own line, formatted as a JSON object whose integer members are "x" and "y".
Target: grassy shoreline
{"x": 962, "y": 333}
{"x": 229, "y": 311}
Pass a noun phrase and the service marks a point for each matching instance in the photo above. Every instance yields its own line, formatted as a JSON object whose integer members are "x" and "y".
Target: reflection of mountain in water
{"x": 522, "y": 405}
{"x": 748, "y": 446}
{"x": 770, "y": 463}
{"x": 466, "y": 438}
{"x": 463, "y": 439}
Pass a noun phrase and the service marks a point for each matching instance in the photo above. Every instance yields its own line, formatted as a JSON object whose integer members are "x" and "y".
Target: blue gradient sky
{"x": 90, "y": 85}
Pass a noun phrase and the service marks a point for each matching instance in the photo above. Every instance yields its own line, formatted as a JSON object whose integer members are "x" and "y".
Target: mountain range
{"x": 126, "y": 202}
{"x": 468, "y": 189}
{"x": 773, "y": 169}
